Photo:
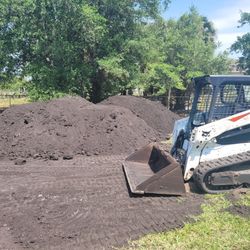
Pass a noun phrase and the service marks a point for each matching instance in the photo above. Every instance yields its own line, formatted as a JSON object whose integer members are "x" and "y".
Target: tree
{"x": 70, "y": 46}
{"x": 191, "y": 46}
{"x": 124, "y": 17}
{"x": 144, "y": 60}
{"x": 50, "y": 41}
{"x": 242, "y": 45}
{"x": 97, "y": 48}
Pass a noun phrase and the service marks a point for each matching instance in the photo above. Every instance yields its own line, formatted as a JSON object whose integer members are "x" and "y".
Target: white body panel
{"x": 178, "y": 126}
{"x": 213, "y": 151}
{"x": 202, "y": 145}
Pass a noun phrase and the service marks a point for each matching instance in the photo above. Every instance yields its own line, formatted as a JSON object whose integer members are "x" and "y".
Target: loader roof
{"x": 218, "y": 79}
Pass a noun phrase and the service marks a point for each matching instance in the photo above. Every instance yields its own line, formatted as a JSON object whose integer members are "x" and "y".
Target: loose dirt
{"x": 1, "y": 110}
{"x": 243, "y": 211}
{"x": 235, "y": 195}
{"x": 153, "y": 113}
{"x": 70, "y": 126}
{"x": 81, "y": 204}
{"x": 237, "y": 209}
{"x": 81, "y": 199}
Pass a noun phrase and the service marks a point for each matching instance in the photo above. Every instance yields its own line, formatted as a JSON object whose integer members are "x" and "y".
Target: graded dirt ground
{"x": 83, "y": 203}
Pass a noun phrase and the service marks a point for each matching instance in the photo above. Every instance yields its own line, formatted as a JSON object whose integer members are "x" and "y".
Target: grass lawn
{"x": 215, "y": 228}
{"x": 15, "y": 101}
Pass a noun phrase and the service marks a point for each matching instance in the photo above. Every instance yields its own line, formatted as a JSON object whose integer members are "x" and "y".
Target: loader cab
{"x": 217, "y": 97}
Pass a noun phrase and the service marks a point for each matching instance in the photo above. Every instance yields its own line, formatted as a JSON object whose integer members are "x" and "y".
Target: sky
{"x": 223, "y": 13}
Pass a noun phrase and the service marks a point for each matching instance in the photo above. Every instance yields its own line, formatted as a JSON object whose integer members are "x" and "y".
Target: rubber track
{"x": 207, "y": 166}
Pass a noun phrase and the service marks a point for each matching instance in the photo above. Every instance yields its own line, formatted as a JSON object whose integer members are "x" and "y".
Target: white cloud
{"x": 227, "y": 39}
{"x": 226, "y": 21}
{"x": 227, "y": 18}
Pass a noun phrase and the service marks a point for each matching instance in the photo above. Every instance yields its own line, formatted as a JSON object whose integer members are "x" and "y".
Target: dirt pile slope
{"x": 153, "y": 113}
{"x": 70, "y": 126}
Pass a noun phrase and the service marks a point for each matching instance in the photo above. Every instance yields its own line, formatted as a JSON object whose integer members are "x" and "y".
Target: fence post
{"x": 168, "y": 98}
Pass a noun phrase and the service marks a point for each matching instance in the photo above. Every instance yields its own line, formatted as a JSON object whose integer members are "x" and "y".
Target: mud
{"x": 153, "y": 113}
{"x": 70, "y": 126}
{"x": 240, "y": 210}
{"x": 83, "y": 203}
{"x": 235, "y": 195}
{"x": 237, "y": 209}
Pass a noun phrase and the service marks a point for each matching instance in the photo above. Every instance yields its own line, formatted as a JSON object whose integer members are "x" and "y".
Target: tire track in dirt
{"x": 82, "y": 204}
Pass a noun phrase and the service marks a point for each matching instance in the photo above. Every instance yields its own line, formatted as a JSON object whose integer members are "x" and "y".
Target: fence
{"x": 177, "y": 103}
{"x": 8, "y": 100}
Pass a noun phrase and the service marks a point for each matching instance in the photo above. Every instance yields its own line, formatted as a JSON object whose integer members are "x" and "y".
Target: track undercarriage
{"x": 224, "y": 174}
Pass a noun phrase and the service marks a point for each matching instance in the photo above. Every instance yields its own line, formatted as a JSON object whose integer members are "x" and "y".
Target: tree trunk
{"x": 168, "y": 96}
{"x": 97, "y": 87}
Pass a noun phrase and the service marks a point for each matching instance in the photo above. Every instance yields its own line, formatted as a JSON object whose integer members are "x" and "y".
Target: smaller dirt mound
{"x": 70, "y": 101}
{"x": 70, "y": 126}
{"x": 153, "y": 113}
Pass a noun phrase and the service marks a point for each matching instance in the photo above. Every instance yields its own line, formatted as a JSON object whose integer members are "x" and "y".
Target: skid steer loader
{"x": 211, "y": 146}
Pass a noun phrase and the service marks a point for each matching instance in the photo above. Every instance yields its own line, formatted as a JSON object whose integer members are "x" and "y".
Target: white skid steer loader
{"x": 211, "y": 146}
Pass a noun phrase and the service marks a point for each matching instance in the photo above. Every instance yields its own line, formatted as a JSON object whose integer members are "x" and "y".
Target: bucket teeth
{"x": 152, "y": 171}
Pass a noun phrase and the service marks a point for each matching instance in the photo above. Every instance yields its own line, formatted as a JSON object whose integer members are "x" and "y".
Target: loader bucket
{"x": 152, "y": 171}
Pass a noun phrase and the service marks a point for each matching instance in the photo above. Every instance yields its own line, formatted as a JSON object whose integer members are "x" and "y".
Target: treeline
{"x": 242, "y": 45}
{"x": 97, "y": 48}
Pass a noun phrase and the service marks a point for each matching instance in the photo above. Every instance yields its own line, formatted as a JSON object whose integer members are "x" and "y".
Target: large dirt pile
{"x": 153, "y": 113}
{"x": 70, "y": 126}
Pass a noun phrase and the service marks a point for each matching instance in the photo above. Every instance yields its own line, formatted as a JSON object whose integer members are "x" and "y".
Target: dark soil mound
{"x": 70, "y": 126}
{"x": 153, "y": 113}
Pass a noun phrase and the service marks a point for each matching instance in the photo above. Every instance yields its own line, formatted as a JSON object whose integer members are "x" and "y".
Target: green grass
{"x": 214, "y": 229}
{"x": 15, "y": 101}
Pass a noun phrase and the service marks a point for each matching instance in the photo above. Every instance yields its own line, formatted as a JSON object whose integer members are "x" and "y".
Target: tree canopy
{"x": 96, "y": 48}
{"x": 242, "y": 45}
